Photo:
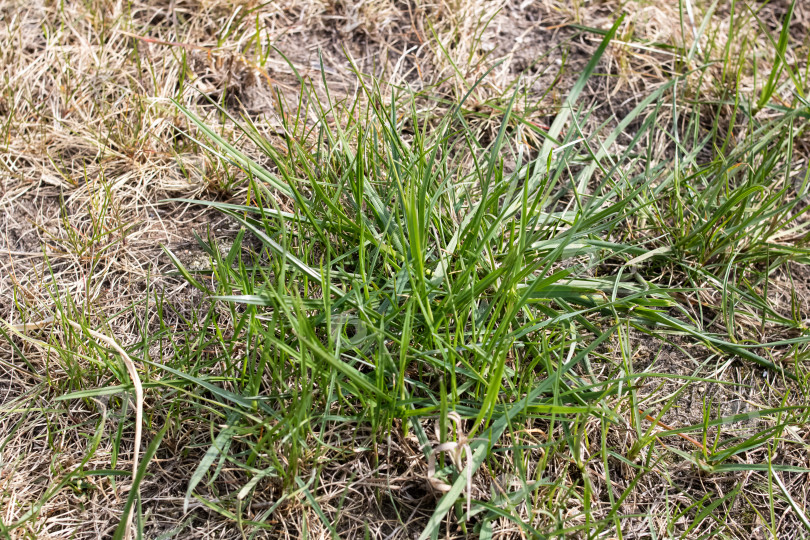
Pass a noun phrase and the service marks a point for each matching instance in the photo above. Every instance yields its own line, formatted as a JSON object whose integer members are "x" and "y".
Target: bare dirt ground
{"x": 89, "y": 152}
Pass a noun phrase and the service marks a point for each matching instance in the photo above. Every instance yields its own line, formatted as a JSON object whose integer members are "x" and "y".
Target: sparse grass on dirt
{"x": 404, "y": 270}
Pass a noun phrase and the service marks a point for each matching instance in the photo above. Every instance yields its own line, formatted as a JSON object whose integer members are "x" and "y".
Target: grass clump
{"x": 406, "y": 279}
